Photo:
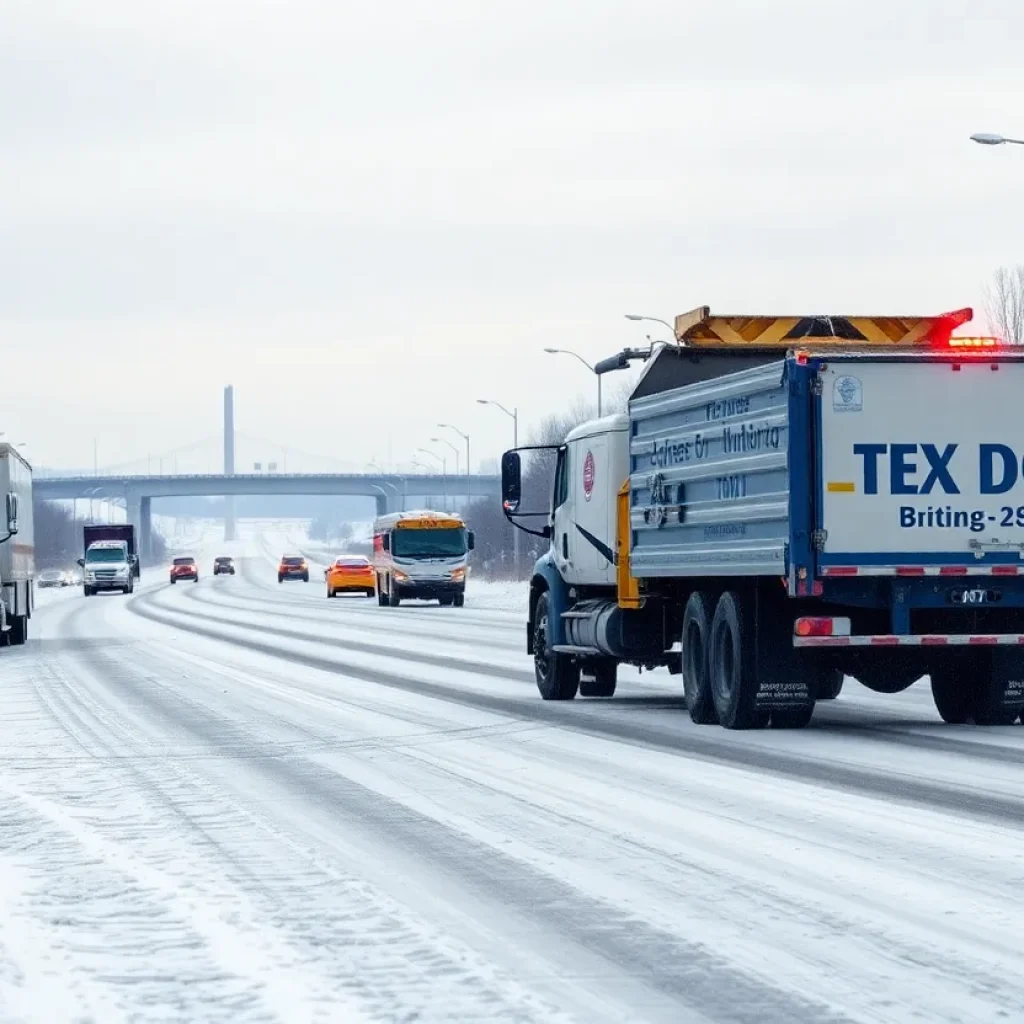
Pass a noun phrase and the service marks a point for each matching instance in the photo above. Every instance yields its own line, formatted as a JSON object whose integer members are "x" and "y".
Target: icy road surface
{"x": 236, "y": 801}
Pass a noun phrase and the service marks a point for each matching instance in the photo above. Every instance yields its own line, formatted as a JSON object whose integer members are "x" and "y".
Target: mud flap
{"x": 1001, "y": 700}
{"x": 787, "y": 676}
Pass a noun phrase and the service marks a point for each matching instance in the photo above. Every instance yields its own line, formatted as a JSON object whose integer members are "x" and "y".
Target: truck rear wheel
{"x": 953, "y": 695}
{"x": 604, "y": 672}
{"x": 558, "y": 677}
{"x": 733, "y": 666}
{"x": 696, "y": 675}
{"x": 382, "y": 598}
{"x": 393, "y": 599}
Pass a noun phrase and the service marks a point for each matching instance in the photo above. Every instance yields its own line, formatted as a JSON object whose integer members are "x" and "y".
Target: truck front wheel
{"x": 696, "y": 676}
{"x": 733, "y": 669}
{"x": 558, "y": 677}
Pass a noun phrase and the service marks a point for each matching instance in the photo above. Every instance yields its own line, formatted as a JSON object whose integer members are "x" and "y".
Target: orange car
{"x": 350, "y": 573}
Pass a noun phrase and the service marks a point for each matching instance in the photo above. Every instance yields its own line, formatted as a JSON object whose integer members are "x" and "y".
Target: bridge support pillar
{"x": 145, "y": 529}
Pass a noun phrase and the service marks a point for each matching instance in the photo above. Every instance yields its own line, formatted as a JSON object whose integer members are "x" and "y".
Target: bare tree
{"x": 1004, "y": 303}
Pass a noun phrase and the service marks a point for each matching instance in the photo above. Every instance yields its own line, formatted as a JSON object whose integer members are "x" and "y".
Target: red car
{"x": 185, "y": 569}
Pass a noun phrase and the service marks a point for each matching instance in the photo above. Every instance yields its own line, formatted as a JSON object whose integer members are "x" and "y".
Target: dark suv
{"x": 223, "y": 564}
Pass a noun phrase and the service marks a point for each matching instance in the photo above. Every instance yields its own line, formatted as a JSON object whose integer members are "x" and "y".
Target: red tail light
{"x": 821, "y": 626}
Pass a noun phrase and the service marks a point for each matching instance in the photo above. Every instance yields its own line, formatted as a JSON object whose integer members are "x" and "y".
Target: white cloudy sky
{"x": 367, "y": 215}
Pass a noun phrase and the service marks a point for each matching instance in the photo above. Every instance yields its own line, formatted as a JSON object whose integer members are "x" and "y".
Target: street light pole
{"x": 514, "y": 415}
{"x": 469, "y": 466}
{"x": 653, "y": 320}
{"x": 576, "y": 355}
{"x": 444, "y": 471}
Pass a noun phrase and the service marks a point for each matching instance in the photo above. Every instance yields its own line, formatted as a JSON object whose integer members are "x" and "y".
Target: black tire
{"x": 460, "y": 599}
{"x": 305, "y": 578}
{"x": 87, "y": 591}
{"x": 446, "y": 601}
{"x": 280, "y": 578}
{"x": 792, "y": 718}
{"x": 558, "y": 677}
{"x": 18, "y": 633}
{"x": 331, "y": 593}
{"x": 696, "y": 666}
{"x": 732, "y": 664}
{"x": 605, "y": 671}
{"x": 393, "y": 599}
{"x": 953, "y": 695}
{"x": 382, "y": 598}
{"x": 173, "y": 581}
{"x": 369, "y": 593}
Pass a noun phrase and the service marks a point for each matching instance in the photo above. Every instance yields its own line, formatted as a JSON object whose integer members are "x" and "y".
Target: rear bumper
{"x": 295, "y": 574}
{"x": 110, "y": 584}
{"x": 352, "y": 584}
{"x": 184, "y": 575}
{"x": 914, "y": 640}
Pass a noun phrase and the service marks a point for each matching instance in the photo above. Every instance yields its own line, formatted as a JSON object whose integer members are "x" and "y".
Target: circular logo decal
{"x": 588, "y": 475}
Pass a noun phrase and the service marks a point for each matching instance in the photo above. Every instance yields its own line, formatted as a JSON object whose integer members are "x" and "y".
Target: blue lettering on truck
{"x": 999, "y": 468}
{"x": 920, "y": 468}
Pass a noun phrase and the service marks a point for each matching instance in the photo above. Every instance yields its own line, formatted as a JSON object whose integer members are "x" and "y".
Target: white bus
{"x": 421, "y": 555}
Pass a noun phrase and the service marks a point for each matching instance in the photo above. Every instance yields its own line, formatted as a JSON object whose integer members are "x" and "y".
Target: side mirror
{"x": 80, "y": 562}
{"x": 12, "y": 513}
{"x": 511, "y": 482}
{"x": 470, "y": 540}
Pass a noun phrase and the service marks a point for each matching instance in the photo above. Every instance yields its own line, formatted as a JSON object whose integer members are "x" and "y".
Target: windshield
{"x": 105, "y": 555}
{"x": 351, "y": 563}
{"x": 433, "y": 543}
{"x": 184, "y": 561}
{"x": 289, "y": 560}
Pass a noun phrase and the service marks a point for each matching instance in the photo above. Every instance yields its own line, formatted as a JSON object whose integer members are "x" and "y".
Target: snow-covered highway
{"x": 238, "y": 801}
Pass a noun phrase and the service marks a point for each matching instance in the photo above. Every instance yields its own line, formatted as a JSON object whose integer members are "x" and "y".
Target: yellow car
{"x": 351, "y": 573}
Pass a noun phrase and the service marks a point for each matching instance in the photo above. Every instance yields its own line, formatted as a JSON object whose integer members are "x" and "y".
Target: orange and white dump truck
{"x": 790, "y": 501}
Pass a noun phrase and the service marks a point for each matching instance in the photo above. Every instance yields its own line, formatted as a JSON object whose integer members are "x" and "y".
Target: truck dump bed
{"x": 862, "y": 450}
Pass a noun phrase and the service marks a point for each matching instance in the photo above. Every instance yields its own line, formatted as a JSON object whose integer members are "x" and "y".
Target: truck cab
{"x": 108, "y": 565}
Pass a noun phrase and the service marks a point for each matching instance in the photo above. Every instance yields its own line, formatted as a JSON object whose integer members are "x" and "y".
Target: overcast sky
{"x": 366, "y": 216}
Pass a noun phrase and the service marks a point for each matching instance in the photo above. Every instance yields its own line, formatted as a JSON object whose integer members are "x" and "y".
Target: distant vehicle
{"x": 70, "y": 578}
{"x": 350, "y": 574}
{"x": 17, "y": 552}
{"x": 421, "y": 555}
{"x": 52, "y": 578}
{"x": 184, "y": 569}
{"x": 293, "y": 567}
{"x": 223, "y": 564}
{"x": 108, "y": 565}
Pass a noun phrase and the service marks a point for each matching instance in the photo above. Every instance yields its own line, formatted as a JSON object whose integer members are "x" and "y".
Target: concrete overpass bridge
{"x": 390, "y": 491}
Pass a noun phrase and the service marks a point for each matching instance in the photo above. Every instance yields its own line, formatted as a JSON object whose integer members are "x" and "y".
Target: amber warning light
{"x": 975, "y": 343}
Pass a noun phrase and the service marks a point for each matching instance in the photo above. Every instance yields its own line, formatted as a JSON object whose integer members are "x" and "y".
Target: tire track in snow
{"x": 665, "y": 974}
{"x": 314, "y": 911}
{"x": 916, "y": 791}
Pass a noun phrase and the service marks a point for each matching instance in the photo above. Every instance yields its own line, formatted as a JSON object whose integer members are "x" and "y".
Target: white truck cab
{"x": 591, "y": 466}
{"x": 421, "y": 555}
{"x": 107, "y": 566}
